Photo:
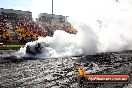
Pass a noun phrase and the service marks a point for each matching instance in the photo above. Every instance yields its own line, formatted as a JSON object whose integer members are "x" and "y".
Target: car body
{"x": 36, "y": 48}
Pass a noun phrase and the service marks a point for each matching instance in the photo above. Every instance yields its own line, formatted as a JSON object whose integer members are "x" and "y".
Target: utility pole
{"x": 52, "y": 7}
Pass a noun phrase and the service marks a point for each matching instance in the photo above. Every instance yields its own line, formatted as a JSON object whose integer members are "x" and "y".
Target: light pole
{"x": 52, "y": 7}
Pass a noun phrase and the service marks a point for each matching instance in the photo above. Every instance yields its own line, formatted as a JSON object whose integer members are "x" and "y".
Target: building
{"x": 51, "y": 18}
{"x": 14, "y": 12}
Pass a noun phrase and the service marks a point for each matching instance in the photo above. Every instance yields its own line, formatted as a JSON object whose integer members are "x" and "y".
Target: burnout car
{"x": 37, "y": 48}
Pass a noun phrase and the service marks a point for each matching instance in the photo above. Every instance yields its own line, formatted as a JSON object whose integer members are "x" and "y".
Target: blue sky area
{"x": 15, "y": 4}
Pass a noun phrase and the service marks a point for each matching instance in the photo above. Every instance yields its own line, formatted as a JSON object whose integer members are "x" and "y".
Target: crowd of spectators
{"x": 65, "y": 26}
{"x": 22, "y": 29}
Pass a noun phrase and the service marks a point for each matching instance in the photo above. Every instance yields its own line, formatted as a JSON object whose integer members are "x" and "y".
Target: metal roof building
{"x": 52, "y": 18}
{"x": 11, "y": 11}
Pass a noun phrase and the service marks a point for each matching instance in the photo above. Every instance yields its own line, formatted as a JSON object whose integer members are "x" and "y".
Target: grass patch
{"x": 13, "y": 46}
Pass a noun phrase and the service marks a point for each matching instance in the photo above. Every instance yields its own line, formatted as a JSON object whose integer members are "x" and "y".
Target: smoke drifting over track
{"x": 109, "y": 29}
{"x": 63, "y": 44}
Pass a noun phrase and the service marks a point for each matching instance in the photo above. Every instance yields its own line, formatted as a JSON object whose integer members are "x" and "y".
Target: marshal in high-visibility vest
{"x": 81, "y": 71}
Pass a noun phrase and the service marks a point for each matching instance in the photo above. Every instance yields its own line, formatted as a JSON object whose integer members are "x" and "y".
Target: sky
{"x": 73, "y": 8}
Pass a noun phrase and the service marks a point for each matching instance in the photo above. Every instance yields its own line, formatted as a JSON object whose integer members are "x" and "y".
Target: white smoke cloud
{"x": 111, "y": 22}
{"x": 87, "y": 39}
{"x": 117, "y": 35}
{"x": 64, "y": 44}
